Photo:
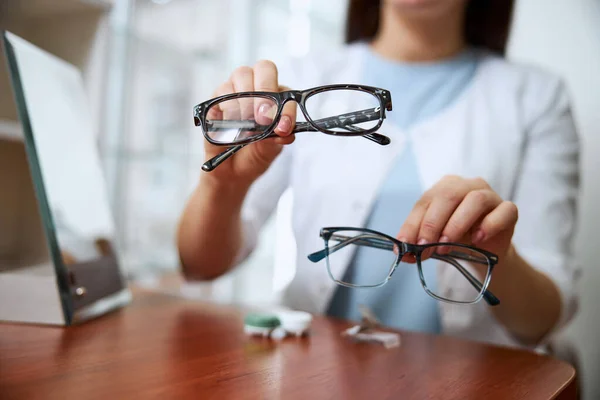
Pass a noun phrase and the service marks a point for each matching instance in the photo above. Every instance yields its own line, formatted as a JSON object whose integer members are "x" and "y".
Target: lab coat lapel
{"x": 438, "y": 149}
{"x": 365, "y": 165}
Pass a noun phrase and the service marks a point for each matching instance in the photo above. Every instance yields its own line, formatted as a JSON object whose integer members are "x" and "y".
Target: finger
{"x": 264, "y": 152}
{"x": 243, "y": 81}
{"x": 502, "y": 218}
{"x": 215, "y": 113}
{"x": 478, "y": 183}
{"x": 285, "y": 140}
{"x": 226, "y": 109}
{"x": 288, "y": 116}
{"x": 265, "y": 80}
{"x": 475, "y": 206}
{"x": 265, "y": 76}
{"x": 409, "y": 231}
{"x": 436, "y": 217}
{"x": 224, "y": 88}
{"x": 456, "y": 186}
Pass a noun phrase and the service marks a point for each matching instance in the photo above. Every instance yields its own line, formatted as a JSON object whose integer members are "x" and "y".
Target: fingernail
{"x": 267, "y": 110}
{"x": 478, "y": 236}
{"x": 422, "y": 241}
{"x": 285, "y": 124}
{"x": 444, "y": 239}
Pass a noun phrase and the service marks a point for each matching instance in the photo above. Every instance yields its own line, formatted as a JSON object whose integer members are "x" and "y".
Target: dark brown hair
{"x": 487, "y": 22}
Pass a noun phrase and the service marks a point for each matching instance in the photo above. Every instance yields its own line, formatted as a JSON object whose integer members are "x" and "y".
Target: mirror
{"x": 57, "y": 241}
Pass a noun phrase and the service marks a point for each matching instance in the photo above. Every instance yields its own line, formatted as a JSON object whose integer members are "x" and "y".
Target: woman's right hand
{"x": 253, "y": 160}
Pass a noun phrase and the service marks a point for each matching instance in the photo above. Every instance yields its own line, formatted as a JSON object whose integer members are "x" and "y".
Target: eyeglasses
{"x": 238, "y": 119}
{"x": 456, "y": 260}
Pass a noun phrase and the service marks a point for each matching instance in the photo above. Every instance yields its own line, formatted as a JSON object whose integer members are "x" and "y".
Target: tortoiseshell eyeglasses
{"x": 238, "y": 119}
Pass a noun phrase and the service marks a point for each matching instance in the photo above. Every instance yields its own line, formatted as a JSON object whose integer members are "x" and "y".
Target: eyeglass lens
{"x": 459, "y": 265}
{"x": 371, "y": 251}
{"x": 235, "y": 120}
{"x": 359, "y": 110}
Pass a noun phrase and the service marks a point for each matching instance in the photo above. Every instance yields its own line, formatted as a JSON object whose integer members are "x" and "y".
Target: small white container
{"x": 257, "y": 331}
{"x": 295, "y": 322}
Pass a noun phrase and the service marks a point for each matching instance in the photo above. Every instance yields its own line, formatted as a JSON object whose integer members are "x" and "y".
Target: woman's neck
{"x": 417, "y": 39}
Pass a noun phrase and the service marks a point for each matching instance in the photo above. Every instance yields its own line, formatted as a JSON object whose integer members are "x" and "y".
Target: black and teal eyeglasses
{"x": 458, "y": 262}
{"x": 238, "y": 119}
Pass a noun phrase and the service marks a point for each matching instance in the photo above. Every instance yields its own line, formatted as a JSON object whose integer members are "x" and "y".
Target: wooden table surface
{"x": 167, "y": 348}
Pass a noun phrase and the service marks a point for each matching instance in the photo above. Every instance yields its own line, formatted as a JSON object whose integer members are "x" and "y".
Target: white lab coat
{"x": 512, "y": 126}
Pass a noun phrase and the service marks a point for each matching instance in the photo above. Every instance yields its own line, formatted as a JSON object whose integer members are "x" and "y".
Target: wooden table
{"x": 166, "y": 348}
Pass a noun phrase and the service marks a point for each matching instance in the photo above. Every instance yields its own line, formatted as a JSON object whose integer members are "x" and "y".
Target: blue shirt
{"x": 419, "y": 91}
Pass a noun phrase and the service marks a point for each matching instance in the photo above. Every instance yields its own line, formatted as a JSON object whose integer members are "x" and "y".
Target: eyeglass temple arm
{"x": 339, "y": 121}
{"x": 374, "y": 137}
{"x": 219, "y": 158}
{"x": 344, "y": 241}
{"x": 489, "y": 297}
{"x": 361, "y": 240}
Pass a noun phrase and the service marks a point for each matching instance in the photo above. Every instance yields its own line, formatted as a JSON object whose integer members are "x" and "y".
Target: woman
{"x": 477, "y": 144}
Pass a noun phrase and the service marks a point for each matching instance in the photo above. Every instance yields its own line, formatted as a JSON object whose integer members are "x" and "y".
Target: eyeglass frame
{"x": 416, "y": 250}
{"x": 300, "y": 97}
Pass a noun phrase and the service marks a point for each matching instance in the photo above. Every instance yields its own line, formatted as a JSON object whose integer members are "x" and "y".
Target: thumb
{"x": 265, "y": 151}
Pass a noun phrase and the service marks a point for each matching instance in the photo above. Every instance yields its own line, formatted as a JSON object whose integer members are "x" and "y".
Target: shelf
{"x": 10, "y": 130}
{"x": 45, "y": 8}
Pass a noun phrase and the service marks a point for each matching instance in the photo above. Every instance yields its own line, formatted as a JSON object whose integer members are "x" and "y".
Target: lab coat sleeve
{"x": 547, "y": 192}
{"x": 264, "y": 194}
{"x": 262, "y": 200}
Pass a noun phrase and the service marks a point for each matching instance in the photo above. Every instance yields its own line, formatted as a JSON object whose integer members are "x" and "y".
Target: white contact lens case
{"x": 295, "y": 322}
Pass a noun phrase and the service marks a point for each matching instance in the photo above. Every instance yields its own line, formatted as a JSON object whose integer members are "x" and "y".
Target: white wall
{"x": 564, "y": 36}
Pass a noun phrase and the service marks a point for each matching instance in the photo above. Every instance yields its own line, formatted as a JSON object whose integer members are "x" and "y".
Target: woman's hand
{"x": 468, "y": 211}
{"x": 254, "y": 159}
{"x": 210, "y": 234}
{"x": 462, "y": 210}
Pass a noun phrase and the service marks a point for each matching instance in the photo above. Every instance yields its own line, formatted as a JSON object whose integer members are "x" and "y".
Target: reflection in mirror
{"x": 65, "y": 144}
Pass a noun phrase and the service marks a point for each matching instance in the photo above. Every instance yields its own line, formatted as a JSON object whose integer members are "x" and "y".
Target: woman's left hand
{"x": 462, "y": 210}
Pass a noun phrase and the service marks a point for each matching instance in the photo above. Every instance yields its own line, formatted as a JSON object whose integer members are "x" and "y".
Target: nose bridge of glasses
{"x": 294, "y": 95}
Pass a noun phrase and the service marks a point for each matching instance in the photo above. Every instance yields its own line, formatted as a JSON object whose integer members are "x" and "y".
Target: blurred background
{"x": 146, "y": 63}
